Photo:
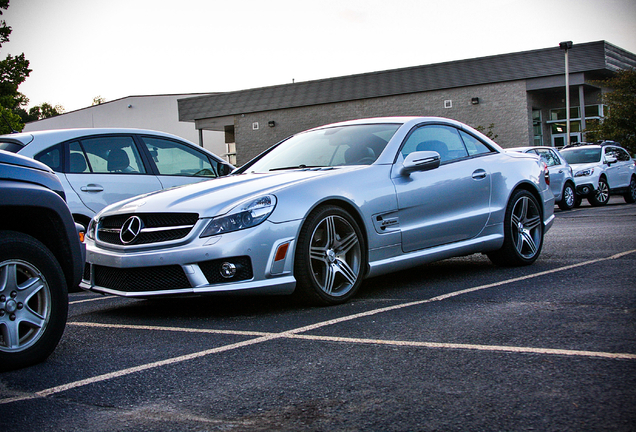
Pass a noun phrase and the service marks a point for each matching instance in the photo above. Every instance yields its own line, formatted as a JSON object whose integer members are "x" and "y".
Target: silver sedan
{"x": 323, "y": 210}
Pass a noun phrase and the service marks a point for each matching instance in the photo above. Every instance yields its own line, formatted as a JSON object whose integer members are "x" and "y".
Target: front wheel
{"x": 33, "y": 301}
{"x": 568, "y": 197}
{"x": 523, "y": 232}
{"x": 601, "y": 196}
{"x": 630, "y": 195}
{"x": 330, "y": 257}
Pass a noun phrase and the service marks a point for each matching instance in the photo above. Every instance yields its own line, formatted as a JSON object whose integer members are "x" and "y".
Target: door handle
{"x": 92, "y": 188}
{"x": 479, "y": 174}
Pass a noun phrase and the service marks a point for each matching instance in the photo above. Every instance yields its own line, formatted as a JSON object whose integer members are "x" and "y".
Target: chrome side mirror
{"x": 420, "y": 161}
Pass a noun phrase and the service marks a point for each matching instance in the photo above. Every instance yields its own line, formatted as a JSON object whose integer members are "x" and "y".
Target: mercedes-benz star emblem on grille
{"x": 130, "y": 229}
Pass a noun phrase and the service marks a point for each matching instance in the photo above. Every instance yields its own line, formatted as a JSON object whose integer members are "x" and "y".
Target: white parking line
{"x": 92, "y": 299}
{"x": 296, "y": 334}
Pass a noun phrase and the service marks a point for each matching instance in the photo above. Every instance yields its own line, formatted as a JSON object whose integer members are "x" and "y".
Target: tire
{"x": 630, "y": 195}
{"x": 523, "y": 232}
{"x": 568, "y": 197}
{"x": 330, "y": 257}
{"x": 33, "y": 301}
{"x": 601, "y": 196}
{"x": 577, "y": 201}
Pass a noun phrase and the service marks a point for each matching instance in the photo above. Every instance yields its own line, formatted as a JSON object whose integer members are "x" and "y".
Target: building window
{"x": 231, "y": 153}
{"x": 537, "y": 127}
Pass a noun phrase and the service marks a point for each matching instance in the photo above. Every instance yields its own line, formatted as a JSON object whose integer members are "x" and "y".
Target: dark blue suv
{"x": 41, "y": 257}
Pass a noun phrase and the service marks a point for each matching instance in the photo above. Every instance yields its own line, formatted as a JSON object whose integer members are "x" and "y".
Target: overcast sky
{"x": 80, "y": 49}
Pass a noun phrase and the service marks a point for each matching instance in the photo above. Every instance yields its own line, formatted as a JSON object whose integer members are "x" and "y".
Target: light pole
{"x": 565, "y": 46}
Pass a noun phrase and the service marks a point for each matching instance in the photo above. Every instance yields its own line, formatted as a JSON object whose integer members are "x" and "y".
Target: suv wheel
{"x": 630, "y": 195}
{"x": 602, "y": 194}
{"x": 33, "y": 301}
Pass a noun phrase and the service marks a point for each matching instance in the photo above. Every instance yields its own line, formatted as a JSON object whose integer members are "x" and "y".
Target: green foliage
{"x": 5, "y": 30}
{"x": 619, "y": 123}
{"x": 13, "y": 72}
{"x": 98, "y": 100}
{"x": 488, "y": 132}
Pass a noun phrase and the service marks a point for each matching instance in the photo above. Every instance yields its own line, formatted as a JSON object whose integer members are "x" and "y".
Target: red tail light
{"x": 546, "y": 173}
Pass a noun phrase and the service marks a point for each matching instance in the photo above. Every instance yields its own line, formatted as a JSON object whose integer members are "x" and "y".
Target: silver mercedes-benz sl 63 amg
{"x": 324, "y": 209}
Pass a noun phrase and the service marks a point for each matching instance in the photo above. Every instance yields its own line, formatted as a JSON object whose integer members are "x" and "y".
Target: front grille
{"x": 212, "y": 270}
{"x": 87, "y": 272}
{"x": 141, "y": 278}
{"x": 156, "y": 227}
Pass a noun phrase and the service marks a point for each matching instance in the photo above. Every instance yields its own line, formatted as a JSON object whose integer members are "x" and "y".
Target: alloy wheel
{"x": 335, "y": 255}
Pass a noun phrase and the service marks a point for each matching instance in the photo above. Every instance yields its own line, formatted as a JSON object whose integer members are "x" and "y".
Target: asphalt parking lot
{"x": 458, "y": 345}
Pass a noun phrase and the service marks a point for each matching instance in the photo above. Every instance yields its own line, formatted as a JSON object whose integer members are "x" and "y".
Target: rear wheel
{"x": 523, "y": 232}
{"x": 630, "y": 195}
{"x": 330, "y": 257}
{"x": 568, "y": 197}
{"x": 33, "y": 301}
{"x": 601, "y": 196}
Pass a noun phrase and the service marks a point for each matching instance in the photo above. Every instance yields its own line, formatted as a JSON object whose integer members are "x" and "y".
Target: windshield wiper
{"x": 301, "y": 166}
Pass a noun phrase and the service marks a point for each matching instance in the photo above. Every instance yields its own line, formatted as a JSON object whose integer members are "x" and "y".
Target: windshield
{"x": 582, "y": 155}
{"x": 330, "y": 147}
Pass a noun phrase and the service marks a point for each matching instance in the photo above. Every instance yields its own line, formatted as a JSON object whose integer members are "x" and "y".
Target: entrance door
{"x": 558, "y": 140}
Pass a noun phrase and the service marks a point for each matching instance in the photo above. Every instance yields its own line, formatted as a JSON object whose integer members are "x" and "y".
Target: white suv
{"x": 601, "y": 170}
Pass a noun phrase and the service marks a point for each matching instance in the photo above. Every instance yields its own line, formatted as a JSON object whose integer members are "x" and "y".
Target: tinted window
{"x": 77, "y": 159}
{"x": 174, "y": 158}
{"x": 444, "y": 140}
{"x": 51, "y": 157}
{"x": 112, "y": 154}
{"x": 11, "y": 146}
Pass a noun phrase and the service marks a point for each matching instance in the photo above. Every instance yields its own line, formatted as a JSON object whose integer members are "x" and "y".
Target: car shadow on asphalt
{"x": 412, "y": 284}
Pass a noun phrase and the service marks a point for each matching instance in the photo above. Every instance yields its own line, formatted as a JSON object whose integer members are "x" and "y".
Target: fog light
{"x": 228, "y": 270}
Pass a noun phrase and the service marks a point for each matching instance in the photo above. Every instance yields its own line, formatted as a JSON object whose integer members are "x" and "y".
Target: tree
{"x": 13, "y": 72}
{"x": 489, "y": 132}
{"x": 619, "y": 123}
{"x": 39, "y": 112}
{"x": 98, "y": 100}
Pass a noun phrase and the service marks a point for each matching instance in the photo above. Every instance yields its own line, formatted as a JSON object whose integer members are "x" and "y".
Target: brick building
{"x": 519, "y": 97}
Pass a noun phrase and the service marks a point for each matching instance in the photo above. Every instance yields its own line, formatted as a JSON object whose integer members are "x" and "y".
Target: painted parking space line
{"x": 293, "y": 334}
{"x": 455, "y": 346}
{"x": 171, "y": 329}
{"x": 93, "y": 299}
{"x": 296, "y": 334}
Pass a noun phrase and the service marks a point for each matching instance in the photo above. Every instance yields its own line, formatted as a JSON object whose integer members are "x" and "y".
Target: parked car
{"x": 324, "y": 209}
{"x": 41, "y": 257}
{"x": 601, "y": 170}
{"x": 98, "y": 167}
{"x": 561, "y": 175}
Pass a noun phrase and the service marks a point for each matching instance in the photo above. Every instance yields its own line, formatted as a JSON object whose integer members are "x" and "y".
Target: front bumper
{"x": 585, "y": 189}
{"x": 242, "y": 261}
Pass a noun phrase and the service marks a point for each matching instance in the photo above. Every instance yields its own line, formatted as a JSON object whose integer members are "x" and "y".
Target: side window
{"x": 77, "y": 159}
{"x": 473, "y": 145}
{"x": 51, "y": 157}
{"x": 622, "y": 155}
{"x": 174, "y": 158}
{"x": 444, "y": 140}
{"x": 548, "y": 157}
{"x": 113, "y": 154}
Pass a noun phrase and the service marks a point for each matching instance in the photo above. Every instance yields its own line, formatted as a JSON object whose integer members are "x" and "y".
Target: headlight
{"x": 90, "y": 231}
{"x": 246, "y": 215}
{"x": 584, "y": 173}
